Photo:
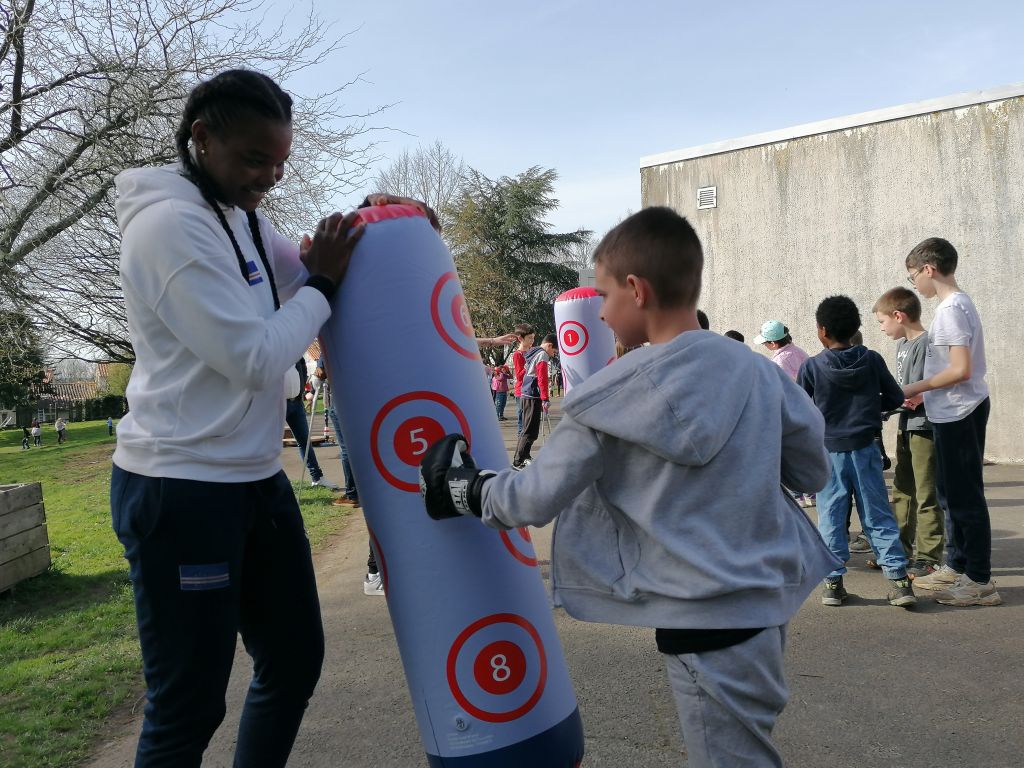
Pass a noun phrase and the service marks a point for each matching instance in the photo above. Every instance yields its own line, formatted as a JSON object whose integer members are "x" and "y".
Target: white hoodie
{"x": 206, "y": 394}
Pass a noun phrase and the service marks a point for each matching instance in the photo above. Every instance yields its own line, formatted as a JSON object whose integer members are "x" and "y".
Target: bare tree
{"x": 431, "y": 174}
{"x": 91, "y": 87}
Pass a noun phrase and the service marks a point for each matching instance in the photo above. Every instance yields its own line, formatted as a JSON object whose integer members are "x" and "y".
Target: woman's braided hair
{"x": 221, "y": 102}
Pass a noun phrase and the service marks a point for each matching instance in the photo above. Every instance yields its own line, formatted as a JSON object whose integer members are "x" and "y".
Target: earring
{"x": 202, "y": 150}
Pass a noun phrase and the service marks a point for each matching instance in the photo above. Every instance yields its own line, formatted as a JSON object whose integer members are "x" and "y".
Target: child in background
{"x": 656, "y": 528}
{"x": 851, "y": 386}
{"x": 789, "y": 357}
{"x": 956, "y": 396}
{"x": 735, "y": 336}
{"x": 499, "y": 388}
{"x": 534, "y": 397}
{"x": 898, "y": 312}
{"x": 525, "y": 333}
{"x": 785, "y": 354}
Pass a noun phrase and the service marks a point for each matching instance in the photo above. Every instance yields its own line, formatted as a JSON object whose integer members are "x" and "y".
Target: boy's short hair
{"x": 735, "y": 335}
{"x": 899, "y": 300}
{"x": 523, "y": 330}
{"x": 839, "y": 316}
{"x": 550, "y": 339}
{"x": 935, "y": 251}
{"x": 660, "y": 246}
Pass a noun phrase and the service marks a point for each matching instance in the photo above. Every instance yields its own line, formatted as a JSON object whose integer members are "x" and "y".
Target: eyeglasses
{"x": 912, "y": 277}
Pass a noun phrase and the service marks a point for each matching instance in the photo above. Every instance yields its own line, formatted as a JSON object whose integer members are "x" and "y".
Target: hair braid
{"x": 220, "y": 102}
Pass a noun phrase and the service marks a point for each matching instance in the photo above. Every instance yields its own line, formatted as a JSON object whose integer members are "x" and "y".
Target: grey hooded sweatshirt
{"x": 666, "y": 476}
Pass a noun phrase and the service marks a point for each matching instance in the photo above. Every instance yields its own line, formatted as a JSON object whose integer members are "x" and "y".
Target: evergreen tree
{"x": 511, "y": 265}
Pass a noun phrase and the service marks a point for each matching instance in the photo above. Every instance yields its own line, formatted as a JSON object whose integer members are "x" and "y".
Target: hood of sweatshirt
{"x": 139, "y": 188}
{"x": 653, "y": 397}
{"x": 847, "y": 369}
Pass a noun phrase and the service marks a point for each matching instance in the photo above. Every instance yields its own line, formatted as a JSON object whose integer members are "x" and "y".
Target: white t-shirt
{"x": 956, "y": 324}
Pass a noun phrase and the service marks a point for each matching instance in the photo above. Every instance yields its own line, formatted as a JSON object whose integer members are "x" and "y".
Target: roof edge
{"x": 887, "y": 114}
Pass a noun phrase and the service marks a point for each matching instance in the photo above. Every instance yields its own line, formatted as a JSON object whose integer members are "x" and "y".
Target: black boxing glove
{"x": 450, "y": 483}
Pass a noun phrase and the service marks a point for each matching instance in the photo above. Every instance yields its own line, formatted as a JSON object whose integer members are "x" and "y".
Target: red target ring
{"x": 522, "y": 557}
{"x": 458, "y": 313}
{"x": 413, "y": 436}
{"x": 572, "y": 337}
{"x": 499, "y": 668}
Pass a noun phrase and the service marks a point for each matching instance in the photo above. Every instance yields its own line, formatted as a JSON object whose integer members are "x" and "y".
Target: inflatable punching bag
{"x": 585, "y": 343}
{"x": 482, "y": 659}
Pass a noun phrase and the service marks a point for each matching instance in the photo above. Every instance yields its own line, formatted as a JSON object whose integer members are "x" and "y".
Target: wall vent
{"x": 707, "y": 197}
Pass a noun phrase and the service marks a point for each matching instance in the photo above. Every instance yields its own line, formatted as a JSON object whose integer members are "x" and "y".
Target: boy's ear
{"x": 642, "y": 292}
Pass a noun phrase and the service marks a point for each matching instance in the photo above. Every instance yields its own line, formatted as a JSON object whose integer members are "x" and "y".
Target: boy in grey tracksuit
{"x": 670, "y": 491}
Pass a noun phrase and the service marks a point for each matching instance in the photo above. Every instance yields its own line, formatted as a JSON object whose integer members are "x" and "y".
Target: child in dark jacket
{"x": 851, "y": 386}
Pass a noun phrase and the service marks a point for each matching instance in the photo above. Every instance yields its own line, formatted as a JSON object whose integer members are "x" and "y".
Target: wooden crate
{"x": 24, "y": 545}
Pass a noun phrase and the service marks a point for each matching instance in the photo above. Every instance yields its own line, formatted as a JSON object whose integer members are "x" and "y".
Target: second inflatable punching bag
{"x": 585, "y": 343}
{"x": 482, "y": 658}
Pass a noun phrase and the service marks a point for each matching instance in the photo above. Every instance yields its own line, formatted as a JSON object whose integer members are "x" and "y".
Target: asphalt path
{"x": 871, "y": 685}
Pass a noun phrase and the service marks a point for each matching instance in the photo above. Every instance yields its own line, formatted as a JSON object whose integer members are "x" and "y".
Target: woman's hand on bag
{"x": 329, "y": 251}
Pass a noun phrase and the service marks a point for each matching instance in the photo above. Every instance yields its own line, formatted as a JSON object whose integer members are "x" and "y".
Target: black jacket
{"x": 851, "y": 388}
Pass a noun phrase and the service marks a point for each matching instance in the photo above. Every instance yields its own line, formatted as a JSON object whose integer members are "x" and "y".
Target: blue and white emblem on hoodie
{"x": 255, "y": 276}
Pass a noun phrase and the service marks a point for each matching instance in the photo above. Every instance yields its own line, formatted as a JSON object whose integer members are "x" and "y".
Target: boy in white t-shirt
{"x": 956, "y": 398}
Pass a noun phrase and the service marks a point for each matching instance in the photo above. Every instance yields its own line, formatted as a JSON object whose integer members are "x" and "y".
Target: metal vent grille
{"x": 707, "y": 197}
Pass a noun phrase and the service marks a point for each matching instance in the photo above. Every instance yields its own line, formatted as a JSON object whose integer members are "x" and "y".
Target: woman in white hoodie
{"x": 219, "y": 306}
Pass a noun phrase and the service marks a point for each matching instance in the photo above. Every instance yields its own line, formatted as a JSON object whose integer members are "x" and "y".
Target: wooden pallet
{"x": 24, "y": 544}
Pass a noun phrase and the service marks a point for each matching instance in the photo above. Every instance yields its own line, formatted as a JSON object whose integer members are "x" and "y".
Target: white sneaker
{"x": 323, "y": 482}
{"x": 373, "y": 585}
{"x": 941, "y": 580}
{"x": 966, "y": 591}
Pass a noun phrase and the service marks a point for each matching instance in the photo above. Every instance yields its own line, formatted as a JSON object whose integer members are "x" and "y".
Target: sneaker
{"x": 323, "y": 482}
{"x": 810, "y": 500}
{"x": 859, "y": 544}
{"x": 902, "y": 594}
{"x": 873, "y": 563}
{"x": 833, "y": 592}
{"x": 920, "y": 568}
{"x": 942, "y": 579}
{"x": 373, "y": 584}
{"x": 966, "y": 591}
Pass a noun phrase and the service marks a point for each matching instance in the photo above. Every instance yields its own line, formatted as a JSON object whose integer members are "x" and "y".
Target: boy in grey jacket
{"x": 646, "y": 535}
{"x": 914, "y": 499}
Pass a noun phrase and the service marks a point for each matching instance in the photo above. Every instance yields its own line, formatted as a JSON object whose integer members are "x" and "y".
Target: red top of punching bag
{"x": 577, "y": 293}
{"x": 375, "y": 213}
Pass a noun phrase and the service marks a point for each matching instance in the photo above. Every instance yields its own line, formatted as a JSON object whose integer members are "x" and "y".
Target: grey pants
{"x": 729, "y": 700}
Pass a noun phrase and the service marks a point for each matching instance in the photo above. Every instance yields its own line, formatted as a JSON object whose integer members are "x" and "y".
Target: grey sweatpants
{"x": 729, "y": 700}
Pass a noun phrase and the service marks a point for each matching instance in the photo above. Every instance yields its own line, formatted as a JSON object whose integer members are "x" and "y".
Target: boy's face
{"x": 921, "y": 279}
{"x": 527, "y": 341}
{"x": 621, "y": 310}
{"x": 891, "y": 324}
{"x": 548, "y": 347}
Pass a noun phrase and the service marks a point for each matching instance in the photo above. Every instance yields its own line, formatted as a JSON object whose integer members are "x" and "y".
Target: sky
{"x": 588, "y": 87}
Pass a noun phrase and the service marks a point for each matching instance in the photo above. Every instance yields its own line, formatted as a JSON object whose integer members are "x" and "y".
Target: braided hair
{"x": 220, "y": 102}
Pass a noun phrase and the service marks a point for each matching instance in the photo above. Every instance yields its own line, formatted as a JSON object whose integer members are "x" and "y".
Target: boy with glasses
{"x": 956, "y": 397}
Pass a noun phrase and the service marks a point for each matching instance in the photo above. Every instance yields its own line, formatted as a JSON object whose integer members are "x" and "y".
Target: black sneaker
{"x": 833, "y": 592}
{"x": 902, "y": 594}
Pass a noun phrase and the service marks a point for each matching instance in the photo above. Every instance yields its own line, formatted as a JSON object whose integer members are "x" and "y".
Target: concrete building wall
{"x": 837, "y": 212}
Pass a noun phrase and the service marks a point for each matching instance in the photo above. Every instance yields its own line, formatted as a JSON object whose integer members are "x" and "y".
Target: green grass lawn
{"x": 68, "y": 649}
